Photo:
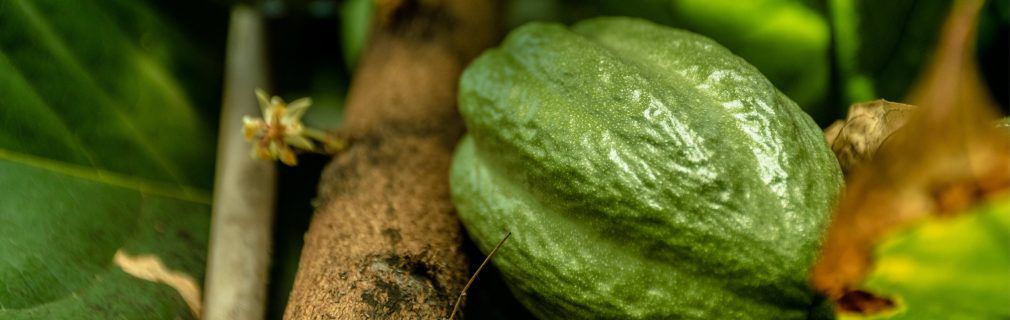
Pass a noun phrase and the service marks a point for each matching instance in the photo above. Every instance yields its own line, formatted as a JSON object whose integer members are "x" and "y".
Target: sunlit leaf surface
{"x": 954, "y": 268}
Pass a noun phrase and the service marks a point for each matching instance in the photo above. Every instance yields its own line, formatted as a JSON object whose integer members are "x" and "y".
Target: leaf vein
{"x": 59, "y": 47}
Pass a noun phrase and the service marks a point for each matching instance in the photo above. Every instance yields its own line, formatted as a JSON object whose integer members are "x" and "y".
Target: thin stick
{"x": 238, "y": 261}
{"x": 459, "y": 300}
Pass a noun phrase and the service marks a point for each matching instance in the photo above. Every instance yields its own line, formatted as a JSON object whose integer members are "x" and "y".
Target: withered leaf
{"x": 856, "y": 139}
{"x": 947, "y": 158}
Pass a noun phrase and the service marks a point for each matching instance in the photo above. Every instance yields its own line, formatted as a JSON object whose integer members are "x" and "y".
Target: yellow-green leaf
{"x": 946, "y": 268}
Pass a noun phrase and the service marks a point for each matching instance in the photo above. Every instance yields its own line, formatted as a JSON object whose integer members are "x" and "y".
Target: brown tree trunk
{"x": 385, "y": 241}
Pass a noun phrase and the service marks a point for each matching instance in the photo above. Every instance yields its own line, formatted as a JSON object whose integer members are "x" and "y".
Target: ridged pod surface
{"x": 644, "y": 171}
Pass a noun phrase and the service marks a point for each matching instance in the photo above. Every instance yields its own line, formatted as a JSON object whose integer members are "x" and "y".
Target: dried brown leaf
{"x": 947, "y": 157}
{"x": 869, "y": 124}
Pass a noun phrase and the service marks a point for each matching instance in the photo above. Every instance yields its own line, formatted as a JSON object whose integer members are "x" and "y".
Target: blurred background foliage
{"x": 825, "y": 54}
{"x": 787, "y": 40}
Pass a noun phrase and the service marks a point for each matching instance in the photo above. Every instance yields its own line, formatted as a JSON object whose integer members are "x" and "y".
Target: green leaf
{"x": 880, "y": 46}
{"x": 947, "y": 268}
{"x": 102, "y": 151}
{"x": 355, "y": 20}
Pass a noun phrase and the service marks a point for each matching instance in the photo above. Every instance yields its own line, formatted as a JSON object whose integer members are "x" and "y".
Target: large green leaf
{"x": 102, "y": 151}
{"x": 947, "y": 268}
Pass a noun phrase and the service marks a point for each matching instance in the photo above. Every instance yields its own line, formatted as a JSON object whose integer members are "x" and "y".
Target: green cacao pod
{"x": 645, "y": 172}
{"x": 789, "y": 41}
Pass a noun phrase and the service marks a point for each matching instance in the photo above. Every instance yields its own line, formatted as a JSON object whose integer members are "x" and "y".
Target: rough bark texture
{"x": 385, "y": 241}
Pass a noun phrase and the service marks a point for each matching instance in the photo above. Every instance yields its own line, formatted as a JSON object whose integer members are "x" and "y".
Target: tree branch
{"x": 385, "y": 241}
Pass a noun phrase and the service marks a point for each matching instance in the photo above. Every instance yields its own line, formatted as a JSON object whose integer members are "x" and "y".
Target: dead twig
{"x": 462, "y": 294}
{"x": 244, "y": 188}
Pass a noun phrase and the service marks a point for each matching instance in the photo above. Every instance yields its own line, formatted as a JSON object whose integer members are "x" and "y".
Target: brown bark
{"x": 385, "y": 241}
